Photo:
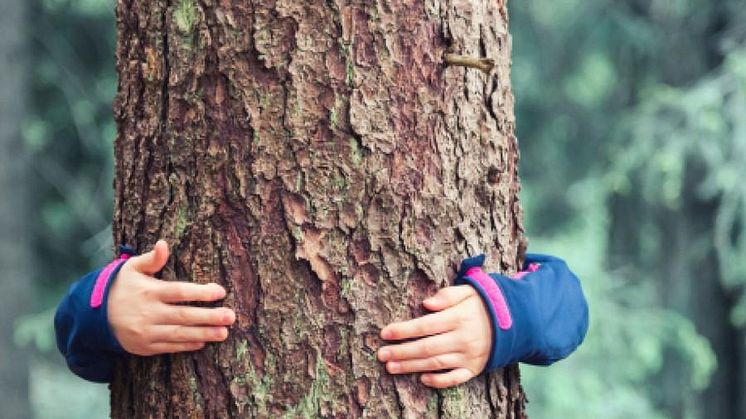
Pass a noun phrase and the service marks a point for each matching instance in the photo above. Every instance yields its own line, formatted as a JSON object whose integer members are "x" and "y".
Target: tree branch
{"x": 484, "y": 64}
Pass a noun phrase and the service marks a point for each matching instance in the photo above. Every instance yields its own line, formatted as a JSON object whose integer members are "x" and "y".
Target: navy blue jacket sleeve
{"x": 538, "y": 316}
{"x": 83, "y": 333}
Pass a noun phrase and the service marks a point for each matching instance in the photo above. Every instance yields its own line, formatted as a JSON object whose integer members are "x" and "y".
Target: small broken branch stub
{"x": 484, "y": 64}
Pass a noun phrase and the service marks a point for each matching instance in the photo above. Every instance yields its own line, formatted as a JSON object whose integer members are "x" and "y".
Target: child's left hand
{"x": 457, "y": 338}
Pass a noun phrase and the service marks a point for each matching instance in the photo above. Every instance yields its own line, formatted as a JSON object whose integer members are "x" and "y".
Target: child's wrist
{"x": 507, "y": 325}
{"x": 101, "y": 292}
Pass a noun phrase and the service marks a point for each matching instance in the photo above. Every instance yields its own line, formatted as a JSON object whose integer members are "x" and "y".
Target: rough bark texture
{"x": 15, "y": 236}
{"x": 322, "y": 162}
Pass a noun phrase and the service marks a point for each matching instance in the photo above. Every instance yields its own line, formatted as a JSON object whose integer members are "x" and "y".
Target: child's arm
{"x": 538, "y": 316}
{"x": 123, "y": 308}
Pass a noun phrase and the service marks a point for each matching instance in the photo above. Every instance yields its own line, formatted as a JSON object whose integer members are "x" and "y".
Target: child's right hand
{"x": 144, "y": 315}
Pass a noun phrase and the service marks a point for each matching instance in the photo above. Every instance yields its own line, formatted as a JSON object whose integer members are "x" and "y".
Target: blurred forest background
{"x": 632, "y": 127}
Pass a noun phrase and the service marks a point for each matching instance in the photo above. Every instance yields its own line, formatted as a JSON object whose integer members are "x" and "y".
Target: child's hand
{"x": 144, "y": 316}
{"x": 457, "y": 338}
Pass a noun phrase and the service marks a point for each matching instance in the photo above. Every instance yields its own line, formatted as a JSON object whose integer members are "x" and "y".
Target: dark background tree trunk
{"x": 321, "y": 162}
{"x": 688, "y": 259}
{"x": 15, "y": 237}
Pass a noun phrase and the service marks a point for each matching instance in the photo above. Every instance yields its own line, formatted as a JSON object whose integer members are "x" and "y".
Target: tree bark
{"x": 323, "y": 163}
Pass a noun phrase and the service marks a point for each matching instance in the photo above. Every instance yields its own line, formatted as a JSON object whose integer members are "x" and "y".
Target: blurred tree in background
{"x": 631, "y": 120}
{"x": 15, "y": 242}
{"x": 68, "y": 133}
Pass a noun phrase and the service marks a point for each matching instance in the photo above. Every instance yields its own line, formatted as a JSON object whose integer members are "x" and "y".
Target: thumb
{"x": 448, "y": 297}
{"x": 153, "y": 261}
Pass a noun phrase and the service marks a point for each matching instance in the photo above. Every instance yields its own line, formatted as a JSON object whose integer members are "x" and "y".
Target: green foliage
{"x": 57, "y": 394}
{"x": 700, "y": 125}
{"x": 628, "y": 336}
{"x": 35, "y": 330}
{"x": 69, "y": 132}
{"x": 630, "y": 119}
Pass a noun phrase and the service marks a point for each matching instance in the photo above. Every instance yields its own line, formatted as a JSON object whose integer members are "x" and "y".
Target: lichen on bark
{"x": 323, "y": 163}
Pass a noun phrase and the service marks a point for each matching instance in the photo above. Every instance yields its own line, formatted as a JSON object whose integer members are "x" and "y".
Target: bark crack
{"x": 166, "y": 67}
{"x": 488, "y": 394}
{"x": 493, "y": 81}
{"x": 163, "y": 124}
{"x": 439, "y": 396}
{"x": 165, "y": 378}
{"x": 399, "y": 401}
{"x": 200, "y": 385}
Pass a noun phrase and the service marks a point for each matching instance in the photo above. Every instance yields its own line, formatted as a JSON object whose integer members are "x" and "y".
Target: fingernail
{"x": 383, "y": 355}
{"x": 393, "y": 367}
{"x": 221, "y": 333}
{"x": 386, "y": 333}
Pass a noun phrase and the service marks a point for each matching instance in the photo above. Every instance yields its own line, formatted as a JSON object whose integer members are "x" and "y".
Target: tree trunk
{"x": 321, "y": 161}
{"x": 15, "y": 239}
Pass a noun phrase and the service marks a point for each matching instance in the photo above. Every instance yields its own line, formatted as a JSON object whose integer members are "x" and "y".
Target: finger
{"x": 434, "y": 363}
{"x": 448, "y": 297}
{"x": 153, "y": 261}
{"x": 180, "y": 292}
{"x": 447, "y": 379}
{"x": 196, "y": 316}
{"x": 420, "y": 348}
{"x": 427, "y": 325}
{"x": 175, "y": 334}
{"x": 172, "y": 347}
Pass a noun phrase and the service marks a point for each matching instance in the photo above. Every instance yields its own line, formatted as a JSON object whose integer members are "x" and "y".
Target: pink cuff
{"x": 97, "y": 296}
{"x": 495, "y": 295}
{"x": 531, "y": 268}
